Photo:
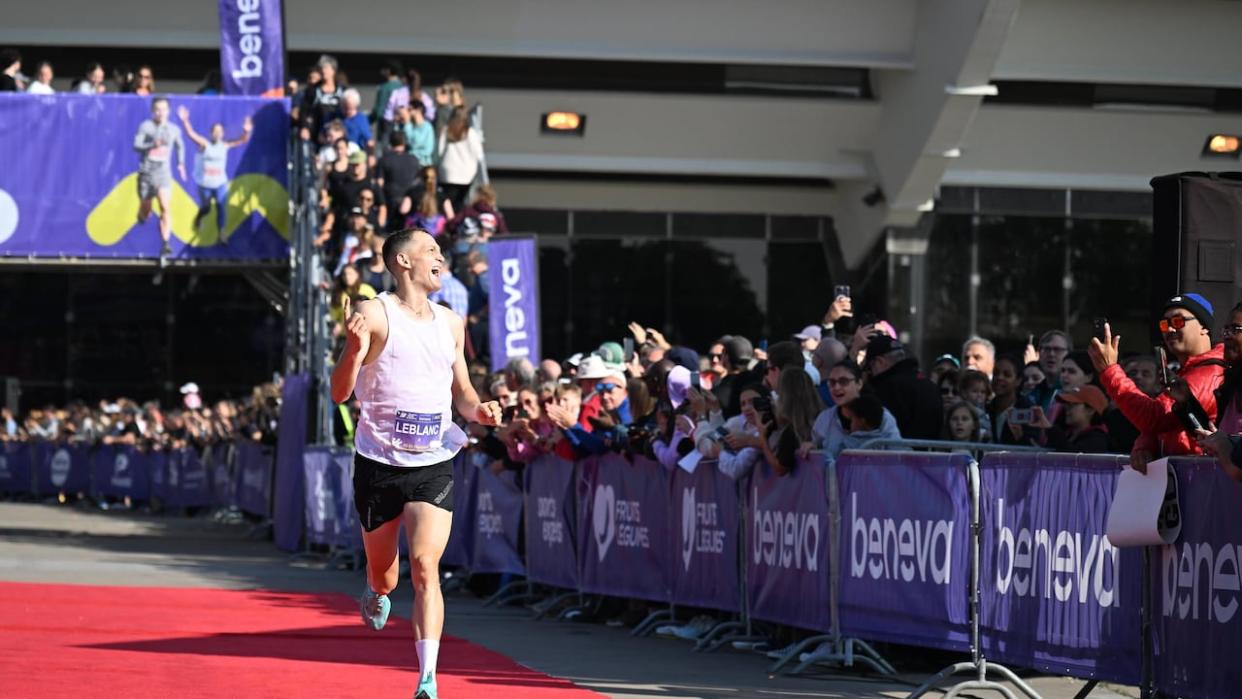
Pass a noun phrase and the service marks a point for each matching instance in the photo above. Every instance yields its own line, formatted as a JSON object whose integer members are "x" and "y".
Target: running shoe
{"x": 374, "y": 608}
{"x": 427, "y": 689}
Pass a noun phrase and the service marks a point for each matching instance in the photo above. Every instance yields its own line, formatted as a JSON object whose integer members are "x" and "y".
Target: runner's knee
{"x": 424, "y": 571}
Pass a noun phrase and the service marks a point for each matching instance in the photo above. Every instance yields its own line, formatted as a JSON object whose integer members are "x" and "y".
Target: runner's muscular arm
{"x": 361, "y": 327}
{"x": 465, "y": 398}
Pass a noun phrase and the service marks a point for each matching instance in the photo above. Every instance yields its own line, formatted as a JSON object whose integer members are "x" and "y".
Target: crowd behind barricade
{"x": 149, "y": 426}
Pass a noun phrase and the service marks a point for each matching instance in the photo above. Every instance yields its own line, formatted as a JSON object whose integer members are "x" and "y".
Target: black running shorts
{"x": 381, "y": 491}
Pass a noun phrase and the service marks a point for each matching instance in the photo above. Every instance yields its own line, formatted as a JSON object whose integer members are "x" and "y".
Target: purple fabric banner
{"x": 61, "y": 468}
{"x": 322, "y": 492}
{"x": 497, "y": 523}
{"x": 461, "y": 536}
{"x": 623, "y": 524}
{"x": 1195, "y": 588}
{"x": 15, "y": 467}
{"x": 220, "y": 460}
{"x": 551, "y": 523}
{"x": 1056, "y": 595}
{"x": 161, "y": 487}
{"x": 121, "y": 471}
{"x": 705, "y": 556}
{"x": 513, "y": 302}
{"x": 254, "y": 465}
{"x": 786, "y": 551}
{"x": 348, "y": 529}
{"x": 70, "y": 184}
{"x": 290, "y": 446}
{"x": 905, "y": 548}
{"x": 252, "y": 48}
{"x": 192, "y": 484}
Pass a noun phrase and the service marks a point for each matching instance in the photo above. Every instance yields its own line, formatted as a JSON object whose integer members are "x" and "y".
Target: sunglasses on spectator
{"x": 715, "y": 357}
{"x": 1173, "y": 323}
{"x": 841, "y": 382}
{"x": 1053, "y": 349}
{"x": 1231, "y": 330}
{"x": 605, "y": 387}
{"x": 948, "y": 391}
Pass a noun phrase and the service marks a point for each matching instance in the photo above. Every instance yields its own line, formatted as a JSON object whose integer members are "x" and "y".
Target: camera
{"x": 1021, "y": 416}
{"x": 763, "y": 406}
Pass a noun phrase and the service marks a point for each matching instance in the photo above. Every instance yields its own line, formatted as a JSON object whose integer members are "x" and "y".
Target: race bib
{"x": 416, "y": 431}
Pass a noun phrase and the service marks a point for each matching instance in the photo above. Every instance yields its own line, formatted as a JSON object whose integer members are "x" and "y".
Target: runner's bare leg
{"x": 165, "y": 214}
{"x": 383, "y": 564}
{"x": 427, "y": 527}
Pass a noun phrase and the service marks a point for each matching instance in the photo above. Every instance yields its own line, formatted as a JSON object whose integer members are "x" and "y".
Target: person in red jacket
{"x": 1186, "y": 325}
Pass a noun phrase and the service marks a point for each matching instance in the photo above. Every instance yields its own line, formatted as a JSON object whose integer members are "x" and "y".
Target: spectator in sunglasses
{"x": 1186, "y": 324}
{"x": 838, "y": 428}
{"x": 610, "y": 426}
{"x": 948, "y": 388}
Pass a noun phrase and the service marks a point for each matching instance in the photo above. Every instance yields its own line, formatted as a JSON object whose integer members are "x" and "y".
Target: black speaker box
{"x": 1197, "y": 225}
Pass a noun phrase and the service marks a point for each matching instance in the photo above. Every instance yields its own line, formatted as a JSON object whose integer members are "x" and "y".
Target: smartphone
{"x": 841, "y": 290}
{"x": 763, "y": 344}
{"x": 1163, "y": 360}
{"x": 1021, "y": 416}
{"x": 1098, "y": 328}
{"x": 628, "y": 344}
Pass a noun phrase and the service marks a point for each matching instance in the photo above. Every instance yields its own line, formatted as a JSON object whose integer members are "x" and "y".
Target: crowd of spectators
{"x": 92, "y": 81}
{"x": 148, "y": 425}
{"x": 413, "y": 160}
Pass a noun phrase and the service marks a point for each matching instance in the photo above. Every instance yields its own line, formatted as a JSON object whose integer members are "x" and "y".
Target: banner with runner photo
{"x": 89, "y": 176}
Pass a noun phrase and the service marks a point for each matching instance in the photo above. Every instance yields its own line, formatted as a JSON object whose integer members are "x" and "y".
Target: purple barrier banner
{"x": 192, "y": 485}
{"x": 61, "y": 468}
{"x": 322, "y": 494}
{"x": 624, "y": 527}
{"x": 513, "y": 300}
{"x": 905, "y": 548}
{"x": 15, "y": 467}
{"x": 252, "y": 47}
{"x": 786, "y": 551}
{"x": 78, "y": 167}
{"x": 254, "y": 464}
{"x": 1056, "y": 595}
{"x": 163, "y": 486}
{"x": 223, "y": 486}
{"x": 1195, "y": 588}
{"x": 705, "y": 556}
{"x": 287, "y": 520}
{"x": 461, "y": 536}
{"x": 497, "y": 523}
{"x": 121, "y": 471}
{"x": 551, "y": 557}
{"x": 348, "y": 530}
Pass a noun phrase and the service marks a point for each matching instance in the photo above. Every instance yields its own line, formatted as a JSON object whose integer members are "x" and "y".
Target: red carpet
{"x": 83, "y": 641}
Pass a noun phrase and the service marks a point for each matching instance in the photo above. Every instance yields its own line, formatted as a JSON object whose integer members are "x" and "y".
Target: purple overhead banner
{"x": 73, "y": 179}
{"x": 513, "y": 299}
{"x": 1195, "y": 588}
{"x": 786, "y": 551}
{"x": 551, "y": 557}
{"x": 1056, "y": 595}
{"x": 705, "y": 510}
{"x": 905, "y": 540}
{"x": 623, "y": 524}
{"x": 252, "y": 48}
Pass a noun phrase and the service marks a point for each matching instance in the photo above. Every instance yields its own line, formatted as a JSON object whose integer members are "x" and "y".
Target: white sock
{"x": 427, "y": 652}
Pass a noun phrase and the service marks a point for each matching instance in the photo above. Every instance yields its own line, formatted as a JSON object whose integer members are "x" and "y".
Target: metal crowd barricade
{"x": 978, "y": 664}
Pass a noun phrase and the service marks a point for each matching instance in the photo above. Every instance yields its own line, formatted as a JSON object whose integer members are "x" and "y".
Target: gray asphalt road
{"x": 63, "y": 544}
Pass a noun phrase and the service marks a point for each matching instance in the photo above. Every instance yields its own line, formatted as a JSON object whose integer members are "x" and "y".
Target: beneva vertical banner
{"x": 252, "y": 48}
{"x": 513, "y": 299}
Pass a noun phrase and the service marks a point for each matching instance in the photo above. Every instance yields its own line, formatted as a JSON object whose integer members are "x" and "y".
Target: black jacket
{"x": 912, "y": 399}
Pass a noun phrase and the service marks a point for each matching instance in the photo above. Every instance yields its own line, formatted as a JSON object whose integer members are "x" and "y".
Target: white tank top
{"x": 407, "y": 392}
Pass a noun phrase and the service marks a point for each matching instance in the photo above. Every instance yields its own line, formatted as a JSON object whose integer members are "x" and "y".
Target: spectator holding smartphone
{"x": 796, "y": 406}
{"x": 1006, "y": 397}
{"x": 1186, "y": 324}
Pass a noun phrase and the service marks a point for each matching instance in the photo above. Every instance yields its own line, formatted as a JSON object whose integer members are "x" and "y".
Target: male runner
{"x": 157, "y": 137}
{"x": 404, "y": 359}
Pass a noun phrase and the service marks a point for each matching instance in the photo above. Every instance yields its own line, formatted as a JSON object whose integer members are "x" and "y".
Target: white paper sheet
{"x": 1145, "y": 510}
{"x": 690, "y": 461}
